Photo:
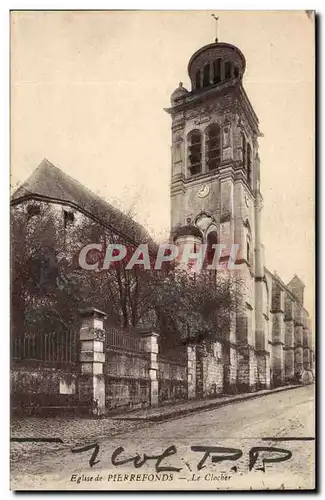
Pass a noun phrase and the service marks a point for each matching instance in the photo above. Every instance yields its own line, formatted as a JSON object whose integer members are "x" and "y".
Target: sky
{"x": 88, "y": 92}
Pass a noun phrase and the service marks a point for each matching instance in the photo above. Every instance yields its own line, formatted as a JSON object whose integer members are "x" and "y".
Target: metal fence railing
{"x": 59, "y": 347}
{"x": 49, "y": 346}
{"x": 123, "y": 339}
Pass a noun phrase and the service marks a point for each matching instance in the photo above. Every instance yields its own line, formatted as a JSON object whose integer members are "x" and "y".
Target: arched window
{"x": 212, "y": 239}
{"x": 213, "y": 143}
{"x": 206, "y": 75}
{"x": 217, "y": 71}
{"x": 236, "y": 72}
{"x": 194, "y": 152}
{"x": 249, "y": 163}
{"x": 228, "y": 68}
{"x": 198, "y": 79}
{"x": 243, "y": 147}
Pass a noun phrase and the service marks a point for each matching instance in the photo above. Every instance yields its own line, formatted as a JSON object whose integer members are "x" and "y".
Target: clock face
{"x": 203, "y": 191}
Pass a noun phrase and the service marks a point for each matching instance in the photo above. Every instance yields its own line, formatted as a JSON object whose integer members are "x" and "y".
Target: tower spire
{"x": 216, "y": 20}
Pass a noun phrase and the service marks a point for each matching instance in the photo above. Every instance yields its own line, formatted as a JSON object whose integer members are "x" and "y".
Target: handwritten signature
{"x": 268, "y": 454}
{"x": 216, "y": 454}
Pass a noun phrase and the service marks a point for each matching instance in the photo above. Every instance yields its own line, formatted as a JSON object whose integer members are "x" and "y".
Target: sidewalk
{"x": 76, "y": 431}
{"x": 174, "y": 410}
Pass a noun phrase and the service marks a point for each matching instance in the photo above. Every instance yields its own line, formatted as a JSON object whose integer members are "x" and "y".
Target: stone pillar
{"x": 230, "y": 358}
{"x": 298, "y": 339}
{"x": 261, "y": 336}
{"x": 306, "y": 358}
{"x": 278, "y": 364}
{"x": 226, "y": 229}
{"x": 191, "y": 372}
{"x": 246, "y": 356}
{"x": 233, "y": 368}
{"x": 230, "y": 368}
{"x": 306, "y": 355}
{"x": 289, "y": 343}
{"x": 150, "y": 345}
{"x": 298, "y": 348}
{"x": 263, "y": 369}
{"x": 277, "y": 334}
{"x": 289, "y": 358}
{"x": 261, "y": 333}
{"x": 247, "y": 369}
{"x": 312, "y": 361}
{"x": 92, "y": 358}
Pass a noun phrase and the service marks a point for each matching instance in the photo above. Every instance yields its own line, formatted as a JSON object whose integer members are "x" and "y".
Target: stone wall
{"x": 212, "y": 370}
{"x": 38, "y": 386}
{"x": 172, "y": 380}
{"x": 127, "y": 382}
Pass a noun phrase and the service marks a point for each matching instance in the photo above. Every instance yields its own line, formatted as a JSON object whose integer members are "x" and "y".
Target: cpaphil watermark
{"x": 101, "y": 257}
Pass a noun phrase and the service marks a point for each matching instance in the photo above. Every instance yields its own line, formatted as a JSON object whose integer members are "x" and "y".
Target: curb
{"x": 205, "y": 407}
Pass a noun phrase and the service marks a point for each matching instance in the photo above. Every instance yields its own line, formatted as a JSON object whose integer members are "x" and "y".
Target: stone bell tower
{"x": 215, "y": 186}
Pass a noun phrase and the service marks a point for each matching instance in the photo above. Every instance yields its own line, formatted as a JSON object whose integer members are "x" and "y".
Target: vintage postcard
{"x": 162, "y": 250}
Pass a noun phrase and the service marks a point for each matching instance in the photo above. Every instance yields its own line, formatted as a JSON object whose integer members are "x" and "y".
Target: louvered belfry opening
{"x": 217, "y": 70}
{"x": 195, "y": 152}
{"x": 213, "y": 147}
{"x": 206, "y": 75}
{"x": 228, "y": 70}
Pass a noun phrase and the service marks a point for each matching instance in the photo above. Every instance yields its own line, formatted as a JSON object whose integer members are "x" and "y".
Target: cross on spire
{"x": 216, "y": 20}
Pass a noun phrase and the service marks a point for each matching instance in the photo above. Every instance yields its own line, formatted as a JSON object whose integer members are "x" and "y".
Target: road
{"x": 240, "y": 426}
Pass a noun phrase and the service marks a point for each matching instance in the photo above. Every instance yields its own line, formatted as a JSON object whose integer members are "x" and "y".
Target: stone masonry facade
{"x": 216, "y": 197}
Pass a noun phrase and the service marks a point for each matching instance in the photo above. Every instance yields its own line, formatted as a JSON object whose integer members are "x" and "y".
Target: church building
{"x": 216, "y": 199}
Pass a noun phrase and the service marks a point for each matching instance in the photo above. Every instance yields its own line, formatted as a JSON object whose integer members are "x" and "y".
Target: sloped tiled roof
{"x": 49, "y": 182}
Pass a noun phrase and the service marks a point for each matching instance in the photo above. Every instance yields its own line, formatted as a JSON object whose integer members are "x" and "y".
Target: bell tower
{"x": 215, "y": 182}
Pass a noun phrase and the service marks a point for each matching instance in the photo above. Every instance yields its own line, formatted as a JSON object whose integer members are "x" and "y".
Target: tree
{"x": 49, "y": 286}
{"x": 42, "y": 298}
{"x": 195, "y": 308}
